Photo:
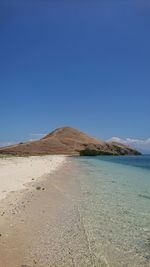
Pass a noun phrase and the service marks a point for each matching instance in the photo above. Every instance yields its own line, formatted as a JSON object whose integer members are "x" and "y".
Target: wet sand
{"x": 41, "y": 225}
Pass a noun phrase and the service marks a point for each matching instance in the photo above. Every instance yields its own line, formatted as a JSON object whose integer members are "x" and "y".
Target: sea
{"x": 115, "y": 209}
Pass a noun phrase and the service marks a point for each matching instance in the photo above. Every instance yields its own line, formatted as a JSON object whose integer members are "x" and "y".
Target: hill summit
{"x": 69, "y": 141}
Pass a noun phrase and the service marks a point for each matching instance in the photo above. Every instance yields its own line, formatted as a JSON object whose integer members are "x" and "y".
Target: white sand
{"x": 15, "y": 172}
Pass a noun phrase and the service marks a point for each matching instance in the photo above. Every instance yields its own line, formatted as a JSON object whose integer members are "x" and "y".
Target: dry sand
{"x": 41, "y": 224}
{"x": 15, "y": 172}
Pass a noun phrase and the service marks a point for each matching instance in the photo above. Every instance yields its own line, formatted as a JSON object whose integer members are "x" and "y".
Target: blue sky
{"x": 84, "y": 64}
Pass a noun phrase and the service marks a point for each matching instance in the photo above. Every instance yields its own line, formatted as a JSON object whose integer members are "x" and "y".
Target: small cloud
{"x": 141, "y": 144}
{"x": 36, "y": 136}
{"x": 115, "y": 139}
{"x": 3, "y": 144}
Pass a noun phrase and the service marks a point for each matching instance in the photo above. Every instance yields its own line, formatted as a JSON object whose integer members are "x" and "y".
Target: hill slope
{"x": 68, "y": 140}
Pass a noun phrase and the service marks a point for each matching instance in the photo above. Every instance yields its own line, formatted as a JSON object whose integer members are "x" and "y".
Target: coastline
{"x": 86, "y": 212}
{"x": 41, "y": 224}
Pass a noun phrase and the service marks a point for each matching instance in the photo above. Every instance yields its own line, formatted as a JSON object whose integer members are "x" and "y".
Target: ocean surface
{"x": 115, "y": 209}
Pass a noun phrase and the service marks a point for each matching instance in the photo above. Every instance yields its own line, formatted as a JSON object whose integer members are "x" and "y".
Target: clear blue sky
{"x": 85, "y": 64}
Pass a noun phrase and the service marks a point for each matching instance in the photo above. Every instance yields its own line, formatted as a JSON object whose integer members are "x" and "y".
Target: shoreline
{"x": 43, "y": 227}
{"x": 63, "y": 218}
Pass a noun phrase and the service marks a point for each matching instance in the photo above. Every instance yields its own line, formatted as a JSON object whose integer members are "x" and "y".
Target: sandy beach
{"x": 15, "y": 172}
{"x": 40, "y": 222}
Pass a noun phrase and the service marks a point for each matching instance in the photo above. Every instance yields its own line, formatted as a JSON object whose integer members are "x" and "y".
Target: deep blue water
{"x": 142, "y": 161}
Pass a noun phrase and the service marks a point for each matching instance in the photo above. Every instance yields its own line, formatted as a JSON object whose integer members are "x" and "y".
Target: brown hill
{"x": 67, "y": 140}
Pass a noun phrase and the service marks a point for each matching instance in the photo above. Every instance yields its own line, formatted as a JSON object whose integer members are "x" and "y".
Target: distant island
{"x": 69, "y": 141}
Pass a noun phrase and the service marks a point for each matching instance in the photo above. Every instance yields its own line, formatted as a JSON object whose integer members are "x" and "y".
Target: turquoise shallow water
{"x": 115, "y": 209}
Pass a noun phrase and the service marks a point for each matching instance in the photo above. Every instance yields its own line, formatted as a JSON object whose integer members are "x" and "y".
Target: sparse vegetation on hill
{"x": 68, "y": 141}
